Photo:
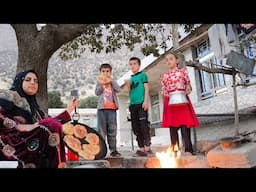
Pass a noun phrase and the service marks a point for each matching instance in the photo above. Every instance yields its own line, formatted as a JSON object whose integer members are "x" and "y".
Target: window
{"x": 250, "y": 52}
{"x": 155, "y": 109}
{"x": 203, "y": 49}
{"x": 209, "y": 83}
{"x": 247, "y": 37}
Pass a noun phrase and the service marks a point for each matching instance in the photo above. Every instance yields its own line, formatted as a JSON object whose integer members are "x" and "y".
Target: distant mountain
{"x": 8, "y": 63}
{"x": 81, "y": 73}
{"x": 7, "y": 38}
{"x": 64, "y": 75}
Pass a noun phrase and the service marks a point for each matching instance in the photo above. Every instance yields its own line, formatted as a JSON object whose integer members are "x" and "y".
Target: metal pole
{"x": 235, "y": 104}
{"x": 132, "y": 140}
{"x": 195, "y": 139}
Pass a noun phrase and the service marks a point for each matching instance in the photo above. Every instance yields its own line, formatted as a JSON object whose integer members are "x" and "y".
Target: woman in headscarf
{"x": 26, "y": 134}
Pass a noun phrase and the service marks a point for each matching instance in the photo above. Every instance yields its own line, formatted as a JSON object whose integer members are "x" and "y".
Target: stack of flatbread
{"x": 86, "y": 145}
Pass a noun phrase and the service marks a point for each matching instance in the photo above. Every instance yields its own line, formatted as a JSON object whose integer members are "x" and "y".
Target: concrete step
{"x": 88, "y": 164}
{"x": 127, "y": 162}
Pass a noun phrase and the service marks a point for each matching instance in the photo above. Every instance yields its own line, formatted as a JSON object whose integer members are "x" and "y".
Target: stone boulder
{"x": 204, "y": 146}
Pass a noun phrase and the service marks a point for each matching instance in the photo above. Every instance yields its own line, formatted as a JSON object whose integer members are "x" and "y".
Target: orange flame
{"x": 168, "y": 158}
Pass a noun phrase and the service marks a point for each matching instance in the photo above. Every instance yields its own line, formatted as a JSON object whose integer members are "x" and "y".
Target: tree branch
{"x": 199, "y": 66}
{"x": 62, "y": 33}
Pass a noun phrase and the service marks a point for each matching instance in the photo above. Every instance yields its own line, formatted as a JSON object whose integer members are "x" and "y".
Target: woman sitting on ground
{"x": 26, "y": 133}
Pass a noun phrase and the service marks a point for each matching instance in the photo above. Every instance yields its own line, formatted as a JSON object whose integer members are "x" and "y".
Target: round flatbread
{"x": 72, "y": 142}
{"x": 68, "y": 129}
{"x": 86, "y": 155}
{"x": 92, "y": 138}
{"x": 103, "y": 79}
{"x": 80, "y": 131}
{"x": 92, "y": 149}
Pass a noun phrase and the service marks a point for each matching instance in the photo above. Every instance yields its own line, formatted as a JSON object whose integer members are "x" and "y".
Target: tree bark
{"x": 175, "y": 42}
{"x": 35, "y": 48}
{"x": 175, "y": 35}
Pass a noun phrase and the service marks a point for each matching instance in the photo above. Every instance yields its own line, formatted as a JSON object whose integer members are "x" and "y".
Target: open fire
{"x": 168, "y": 158}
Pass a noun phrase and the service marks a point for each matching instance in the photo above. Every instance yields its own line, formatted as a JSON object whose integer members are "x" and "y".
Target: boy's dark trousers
{"x": 139, "y": 120}
{"x": 186, "y": 137}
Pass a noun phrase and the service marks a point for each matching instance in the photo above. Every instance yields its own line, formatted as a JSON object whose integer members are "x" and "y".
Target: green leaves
{"x": 89, "y": 102}
{"x": 54, "y": 100}
{"x": 111, "y": 37}
{"x": 189, "y": 27}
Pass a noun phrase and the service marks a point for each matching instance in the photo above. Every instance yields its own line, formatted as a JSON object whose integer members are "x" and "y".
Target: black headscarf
{"x": 31, "y": 99}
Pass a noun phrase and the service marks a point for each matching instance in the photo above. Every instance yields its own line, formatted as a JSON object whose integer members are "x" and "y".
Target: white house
{"x": 212, "y": 93}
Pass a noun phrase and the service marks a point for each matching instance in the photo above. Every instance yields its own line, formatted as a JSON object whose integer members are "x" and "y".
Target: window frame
{"x": 205, "y": 57}
{"x": 155, "y": 105}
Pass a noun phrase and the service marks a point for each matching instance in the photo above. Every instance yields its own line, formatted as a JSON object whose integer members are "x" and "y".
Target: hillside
{"x": 63, "y": 75}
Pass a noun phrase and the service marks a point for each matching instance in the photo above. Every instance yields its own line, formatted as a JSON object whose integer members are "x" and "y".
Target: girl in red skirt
{"x": 178, "y": 116}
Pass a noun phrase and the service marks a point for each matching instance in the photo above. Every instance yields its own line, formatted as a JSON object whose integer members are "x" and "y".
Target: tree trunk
{"x": 175, "y": 35}
{"x": 34, "y": 56}
{"x": 175, "y": 42}
{"x": 36, "y": 47}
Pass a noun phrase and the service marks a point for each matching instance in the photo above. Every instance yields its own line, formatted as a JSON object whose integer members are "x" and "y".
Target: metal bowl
{"x": 178, "y": 98}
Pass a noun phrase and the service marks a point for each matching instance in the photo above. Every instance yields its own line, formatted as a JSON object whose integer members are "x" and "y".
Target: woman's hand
{"x": 72, "y": 106}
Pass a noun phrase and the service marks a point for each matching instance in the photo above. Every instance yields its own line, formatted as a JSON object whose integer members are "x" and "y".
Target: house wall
{"x": 124, "y": 126}
{"x": 191, "y": 71}
{"x": 221, "y": 102}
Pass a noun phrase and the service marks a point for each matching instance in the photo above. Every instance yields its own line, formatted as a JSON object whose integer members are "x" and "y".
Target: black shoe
{"x": 115, "y": 154}
{"x": 149, "y": 152}
{"x": 141, "y": 153}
